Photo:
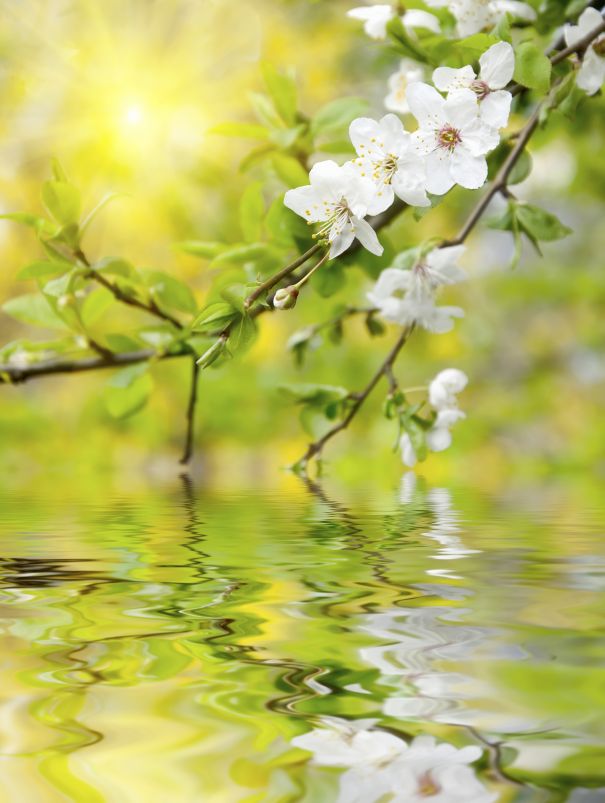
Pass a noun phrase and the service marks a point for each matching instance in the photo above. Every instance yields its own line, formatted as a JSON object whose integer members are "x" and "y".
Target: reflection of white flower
{"x": 473, "y": 16}
{"x": 408, "y": 72}
{"x": 408, "y": 296}
{"x": 376, "y": 18}
{"x": 592, "y": 70}
{"x": 339, "y": 197}
{"x": 387, "y": 154}
{"x": 380, "y": 764}
{"x": 453, "y": 137}
{"x": 497, "y": 67}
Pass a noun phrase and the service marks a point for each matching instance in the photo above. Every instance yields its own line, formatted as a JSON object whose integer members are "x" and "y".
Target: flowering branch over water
{"x": 459, "y": 122}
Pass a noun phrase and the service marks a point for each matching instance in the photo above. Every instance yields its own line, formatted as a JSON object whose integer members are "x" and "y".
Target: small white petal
{"x": 408, "y": 455}
{"x": 497, "y": 65}
{"x": 307, "y": 203}
{"x": 426, "y": 104}
{"x": 439, "y": 176}
{"x": 438, "y": 439}
{"x": 340, "y": 242}
{"x": 494, "y": 109}
{"x": 367, "y": 236}
{"x": 467, "y": 170}
{"x": 591, "y": 74}
{"x": 462, "y": 108}
{"x": 447, "y": 79}
{"x": 415, "y": 18}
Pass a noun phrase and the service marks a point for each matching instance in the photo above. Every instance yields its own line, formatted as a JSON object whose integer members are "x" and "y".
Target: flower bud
{"x": 286, "y": 297}
{"x": 213, "y": 353}
{"x": 65, "y": 301}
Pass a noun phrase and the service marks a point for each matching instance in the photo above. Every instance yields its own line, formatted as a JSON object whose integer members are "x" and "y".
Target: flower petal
{"x": 591, "y": 73}
{"x": 438, "y": 439}
{"x": 367, "y": 236}
{"x": 408, "y": 455}
{"x": 340, "y": 242}
{"x": 462, "y": 108}
{"x": 494, "y": 109}
{"x": 467, "y": 170}
{"x": 416, "y": 18}
{"x": 306, "y": 202}
{"x": 438, "y": 175}
{"x": 365, "y": 136}
{"x": 497, "y": 65}
{"x": 426, "y": 104}
{"x": 480, "y": 138}
{"x": 447, "y": 79}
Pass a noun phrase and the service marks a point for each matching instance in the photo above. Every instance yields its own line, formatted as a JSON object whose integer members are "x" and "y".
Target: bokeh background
{"x": 126, "y": 93}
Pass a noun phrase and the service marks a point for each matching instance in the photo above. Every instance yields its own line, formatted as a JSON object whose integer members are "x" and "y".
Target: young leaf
{"x": 290, "y": 170}
{"x": 128, "y": 391}
{"x": 170, "y": 292}
{"x": 62, "y": 201}
{"x": 282, "y": 90}
{"x": 95, "y": 305}
{"x": 329, "y": 279}
{"x": 337, "y": 115}
{"x": 200, "y": 248}
{"x": 252, "y": 212}
{"x": 532, "y": 67}
{"x": 34, "y": 309}
{"x": 42, "y": 269}
{"x": 215, "y": 316}
{"x": 540, "y": 224}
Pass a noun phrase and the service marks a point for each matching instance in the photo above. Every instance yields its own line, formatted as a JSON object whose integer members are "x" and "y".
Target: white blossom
{"x": 442, "y": 397}
{"x": 408, "y": 296}
{"x": 591, "y": 74}
{"x": 445, "y": 386}
{"x": 497, "y": 66}
{"x": 338, "y": 197}
{"x": 453, "y": 136}
{"x": 389, "y": 156}
{"x": 408, "y": 72}
{"x": 473, "y": 16}
{"x": 376, "y": 18}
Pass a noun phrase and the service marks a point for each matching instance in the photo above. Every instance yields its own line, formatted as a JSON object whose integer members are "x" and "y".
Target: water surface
{"x": 169, "y": 645}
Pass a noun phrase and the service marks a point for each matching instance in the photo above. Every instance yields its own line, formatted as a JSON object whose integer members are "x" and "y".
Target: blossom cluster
{"x": 456, "y": 128}
{"x": 442, "y": 397}
{"x": 378, "y": 763}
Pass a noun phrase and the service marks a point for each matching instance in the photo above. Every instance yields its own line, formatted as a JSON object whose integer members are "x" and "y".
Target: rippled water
{"x": 170, "y": 646}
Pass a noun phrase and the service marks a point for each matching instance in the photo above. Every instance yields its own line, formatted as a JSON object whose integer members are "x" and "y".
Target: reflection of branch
{"x": 494, "y": 750}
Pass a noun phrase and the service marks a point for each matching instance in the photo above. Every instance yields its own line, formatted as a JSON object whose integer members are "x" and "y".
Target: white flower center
{"x": 448, "y": 138}
{"x": 338, "y": 216}
{"x": 481, "y": 89}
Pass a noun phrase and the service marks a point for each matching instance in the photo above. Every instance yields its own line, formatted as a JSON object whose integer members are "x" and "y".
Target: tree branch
{"x": 188, "y": 452}
{"x": 385, "y": 368}
{"x": 152, "y": 308}
{"x": 16, "y": 375}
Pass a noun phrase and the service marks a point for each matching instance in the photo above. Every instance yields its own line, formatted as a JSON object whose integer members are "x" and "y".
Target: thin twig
{"x": 16, "y": 375}
{"x": 316, "y": 447}
{"x": 151, "y": 307}
{"x": 188, "y": 452}
{"x": 270, "y": 283}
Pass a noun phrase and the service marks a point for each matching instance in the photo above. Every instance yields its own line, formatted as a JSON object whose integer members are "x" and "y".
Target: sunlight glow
{"x": 133, "y": 115}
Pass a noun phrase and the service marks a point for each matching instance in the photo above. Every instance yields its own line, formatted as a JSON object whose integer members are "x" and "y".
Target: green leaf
{"x": 200, "y": 248}
{"x": 128, "y": 391}
{"x": 532, "y": 67}
{"x": 34, "y": 309}
{"x": 282, "y": 90}
{"x": 42, "y": 268}
{"x": 95, "y": 305}
{"x": 215, "y": 316}
{"x": 337, "y": 114}
{"x": 471, "y": 47}
{"x": 39, "y": 224}
{"x": 290, "y": 170}
{"x": 244, "y": 130}
{"x": 115, "y": 266}
{"x": 375, "y": 327}
{"x": 315, "y": 421}
{"x": 62, "y": 201}
{"x": 265, "y": 110}
{"x": 308, "y": 393}
{"x": 242, "y": 333}
{"x": 240, "y": 254}
{"x": 540, "y": 224}
{"x": 252, "y": 212}
{"x": 119, "y": 343}
{"x": 403, "y": 42}
{"x": 170, "y": 292}
{"x": 107, "y": 199}
{"x": 329, "y": 279}
{"x": 417, "y": 435}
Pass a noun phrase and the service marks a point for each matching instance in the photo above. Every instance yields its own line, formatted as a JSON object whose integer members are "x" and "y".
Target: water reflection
{"x": 185, "y": 646}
